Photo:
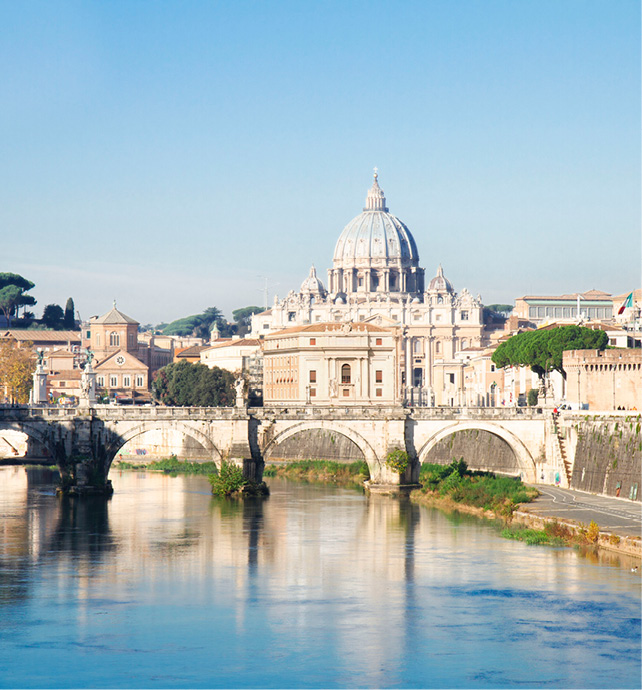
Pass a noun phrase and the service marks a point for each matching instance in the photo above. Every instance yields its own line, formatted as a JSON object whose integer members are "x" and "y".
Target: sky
{"x": 177, "y": 155}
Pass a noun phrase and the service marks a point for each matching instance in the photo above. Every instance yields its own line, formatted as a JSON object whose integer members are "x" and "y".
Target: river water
{"x": 164, "y": 586}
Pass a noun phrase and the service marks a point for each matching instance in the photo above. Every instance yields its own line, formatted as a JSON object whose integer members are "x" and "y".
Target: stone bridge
{"x": 83, "y": 442}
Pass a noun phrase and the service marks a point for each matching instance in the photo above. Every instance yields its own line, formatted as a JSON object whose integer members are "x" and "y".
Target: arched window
{"x": 345, "y": 373}
{"x": 464, "y": 344}
{"x": 114, "y": 339}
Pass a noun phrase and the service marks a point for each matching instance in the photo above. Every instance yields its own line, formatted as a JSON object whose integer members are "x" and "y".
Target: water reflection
{"x": 167, "y": 586}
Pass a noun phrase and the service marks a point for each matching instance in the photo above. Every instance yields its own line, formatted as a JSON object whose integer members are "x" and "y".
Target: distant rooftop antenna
{"x": 265, "y": 289}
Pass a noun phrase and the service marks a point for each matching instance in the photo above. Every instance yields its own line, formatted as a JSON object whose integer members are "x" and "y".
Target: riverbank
{"x": 171, "y": 465}
{"x": 351, "y": 474}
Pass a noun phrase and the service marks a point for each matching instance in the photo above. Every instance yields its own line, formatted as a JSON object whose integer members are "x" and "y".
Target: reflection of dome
{"x": 440, "y": 282}
{"x": 375, "y": 234}
{"x": 312, "y": 285}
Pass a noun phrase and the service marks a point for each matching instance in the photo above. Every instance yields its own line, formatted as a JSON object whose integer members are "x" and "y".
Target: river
{"x": 164, "y": 586}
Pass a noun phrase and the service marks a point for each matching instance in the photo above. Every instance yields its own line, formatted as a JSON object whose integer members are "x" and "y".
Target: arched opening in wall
{"x": 114, "y": 339}
{"x": 19, "y": 448}
{"x": 158, "y": 444}
{"x": 315, "y": 444}
{"x": 481, "y": 450}
{"x": 345, "y": 373}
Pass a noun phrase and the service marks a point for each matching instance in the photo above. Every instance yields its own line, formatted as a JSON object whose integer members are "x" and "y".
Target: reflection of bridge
{"x": 84, "y": 442}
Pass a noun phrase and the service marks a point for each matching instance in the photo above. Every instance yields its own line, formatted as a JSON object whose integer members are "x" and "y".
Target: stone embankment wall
{"x": 479, "y": 449}
{"x": 316, "y": 444}
{"x": 608, "y": 455}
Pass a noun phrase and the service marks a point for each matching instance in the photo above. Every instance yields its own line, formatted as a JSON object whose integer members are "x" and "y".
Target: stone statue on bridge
{"x": 239, "y": 384}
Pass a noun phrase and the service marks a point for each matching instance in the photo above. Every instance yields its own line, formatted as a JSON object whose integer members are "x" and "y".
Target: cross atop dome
{"x": 376, "y": 200}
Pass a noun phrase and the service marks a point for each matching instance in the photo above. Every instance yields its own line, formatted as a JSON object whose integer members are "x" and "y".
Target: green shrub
{"x": 397, "y": 460}
{"x": 229, "y": 480}
{"x": 532, "y": 396}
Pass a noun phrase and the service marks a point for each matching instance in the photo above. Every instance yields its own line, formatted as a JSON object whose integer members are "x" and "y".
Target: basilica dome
{"x": 376, "y": 235}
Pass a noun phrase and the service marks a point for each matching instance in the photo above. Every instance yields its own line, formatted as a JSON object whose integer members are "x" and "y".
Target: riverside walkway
{"x": 616, "y": 515}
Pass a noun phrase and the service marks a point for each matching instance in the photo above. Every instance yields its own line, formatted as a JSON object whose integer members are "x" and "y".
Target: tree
{"x": 69, "y": 321}
{"x": 12, "y": 294}
{"x": 194, "y": 385}
{"x": 243, "y": 318}
{"x": 199, "y": 325}
{"x": 53, "y": 316}
{"x": 542, "y": 350}
{"x": 17, "y": 364}
{"x": 495, "y": 313}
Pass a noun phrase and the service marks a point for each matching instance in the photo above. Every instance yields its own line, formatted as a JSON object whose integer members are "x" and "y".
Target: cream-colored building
{"x": 604, "y": 380}
{"x": 593, "y": 305}
{"x": 234, "y": 354}
{"x": 376, "y": 279}
{"x": 332, "y": 364}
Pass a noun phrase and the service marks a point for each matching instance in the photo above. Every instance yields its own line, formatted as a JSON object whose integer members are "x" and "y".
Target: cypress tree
{"x": 69, "y": 320}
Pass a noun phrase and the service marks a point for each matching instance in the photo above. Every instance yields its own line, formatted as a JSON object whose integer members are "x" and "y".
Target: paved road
{"x": 616, "y": 515}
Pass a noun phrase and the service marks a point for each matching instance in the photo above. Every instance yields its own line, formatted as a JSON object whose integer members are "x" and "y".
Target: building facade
{"x": 376, "y": 279}
{"x": 331, "y": 364}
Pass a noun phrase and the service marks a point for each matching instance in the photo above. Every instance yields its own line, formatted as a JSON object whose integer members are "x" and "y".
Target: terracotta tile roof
{"x": 114, "y": 316}
{"x": 191, "y": 351}
{"x": 33, "y": 335}
{"x": 230, "y": 342}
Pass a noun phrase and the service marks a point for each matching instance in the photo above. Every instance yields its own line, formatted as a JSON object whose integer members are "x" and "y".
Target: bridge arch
{"x": 369, "y": 455}
{"x": 33, "y": 431}
{"x": 119, "y": 439}
{"x": 525, "y": 460}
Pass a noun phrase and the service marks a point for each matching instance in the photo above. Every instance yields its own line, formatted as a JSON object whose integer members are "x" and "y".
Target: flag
{"x": 628, "y": 302}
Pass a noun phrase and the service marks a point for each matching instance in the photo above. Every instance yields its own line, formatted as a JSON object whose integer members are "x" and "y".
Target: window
{"x": 440, "y": 300}
{"x": 379, "y": 341}
{"x": 464, "y": 315}
{"x": 416, "y": 346}
{"x": 451, "y": 378}
{"x": 139, "y": 382}
{"x": 291, "y": 316}
{"x": 346, "y": 392}
{"x": 88, "y": 335}
{"x": 345, "y": 374}
{"x": 313, "y": 392}
{"x": 438, "y": 348}
{"x": 379, "y": 392}
{"x": 97, "y": 339}
{"x": 379, "y": 376}
{"x": 130, "y": 338}
{"x": 313, "y": 376}
{"x": 100, "y": 381}
{"x": 266, "y": 326}
{"x": 114, "y": 339}
{"x": 492, "y": 367}
{"x": 113, "y": 381}
{"x": 127, "y": 381}
{"x": 437, "y": 317}
{"x": 313, "y": 341}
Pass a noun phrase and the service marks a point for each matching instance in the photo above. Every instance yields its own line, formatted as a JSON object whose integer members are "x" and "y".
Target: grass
{"x": 321, "y": 471}
{"x": 482, "y": 490}
{"x": 171, "y": 465}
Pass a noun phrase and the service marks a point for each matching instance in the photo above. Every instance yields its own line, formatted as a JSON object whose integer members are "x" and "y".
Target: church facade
{"x": 376, "y": 278}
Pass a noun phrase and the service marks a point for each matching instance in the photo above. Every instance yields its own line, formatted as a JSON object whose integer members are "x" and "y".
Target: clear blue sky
{"x": 172, "y": 154}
